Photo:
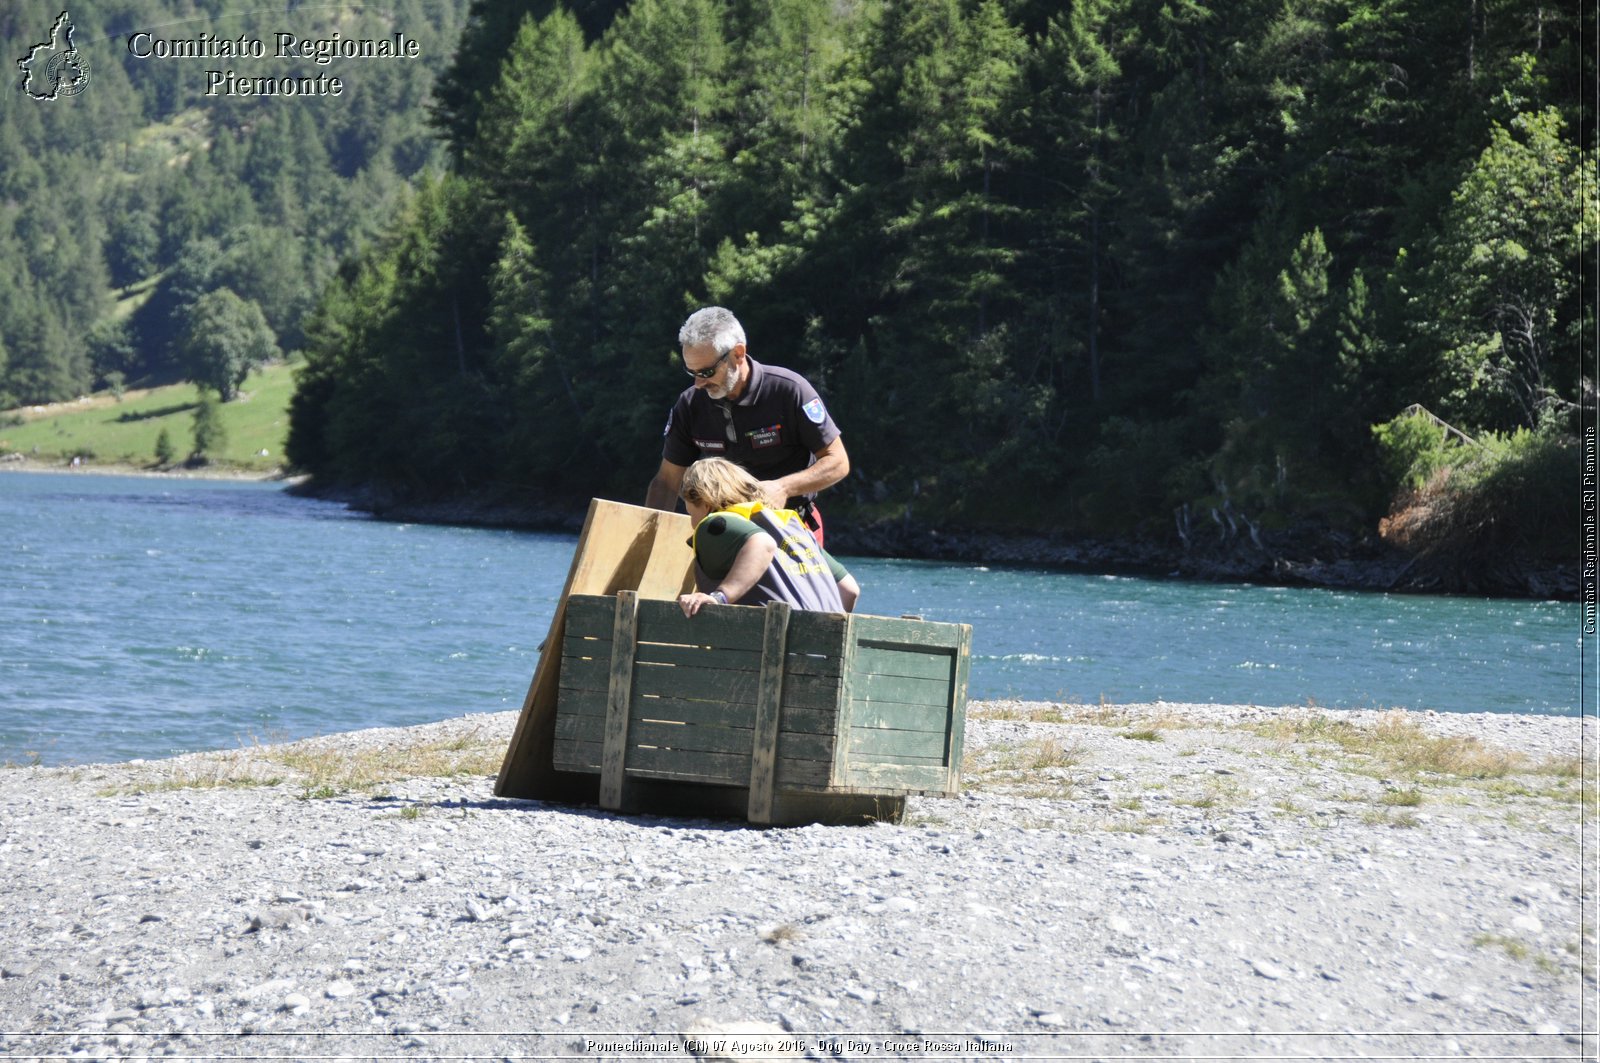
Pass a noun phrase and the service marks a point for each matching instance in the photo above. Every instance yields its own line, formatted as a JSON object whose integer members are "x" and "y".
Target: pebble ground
{"x": 1156, "y": 881}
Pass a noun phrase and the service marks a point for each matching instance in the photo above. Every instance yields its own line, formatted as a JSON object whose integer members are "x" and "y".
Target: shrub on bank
{"x": 1483, "y": 502}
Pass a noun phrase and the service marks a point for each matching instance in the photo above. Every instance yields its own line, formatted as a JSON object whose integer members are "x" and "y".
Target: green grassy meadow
{"x": 105, "y": 431}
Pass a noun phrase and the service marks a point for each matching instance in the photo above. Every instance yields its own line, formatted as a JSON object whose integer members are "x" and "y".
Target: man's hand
{"x": 663, "y": 490}
{"x": 773, "y": 494}
{"x": 832, "y": 464}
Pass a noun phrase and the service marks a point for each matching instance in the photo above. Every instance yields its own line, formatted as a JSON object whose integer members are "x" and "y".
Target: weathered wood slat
{"x": 918, "y": 777}
{"x": 580, "y": 728}
{"x": 732, "y": 627}
{"x": 912, "y": 664}
{"x": 901, "y": 690}
{"x": 586, "y": 673}
{"x": 590, "y": 616}
{"x": 710, "y": 738}
{"x": 700, "y": 737}
{"x": 817, "y": 633}
{"x": 793, "y": 773}
{"x": 696, "y": 684}
{"x": 808, "y": 721}
{"x": 877, "y": 714}
{"x": 892, "y": 633}
{"x": 880, "y": 744}
{"x": 812, "y": 692}
{"x": 721, "y": 658}
{"x": 579, "y": 646}
{"x": 810, "y": 664}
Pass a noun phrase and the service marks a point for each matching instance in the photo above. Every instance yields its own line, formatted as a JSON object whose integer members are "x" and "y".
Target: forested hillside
{"x": 149, "y": 231}
{"x": 1102, "y": 267}
{"x": 1189, "y": 272}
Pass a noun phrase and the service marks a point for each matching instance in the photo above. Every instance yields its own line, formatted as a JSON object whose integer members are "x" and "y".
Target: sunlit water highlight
{"x": 142, "y": 617}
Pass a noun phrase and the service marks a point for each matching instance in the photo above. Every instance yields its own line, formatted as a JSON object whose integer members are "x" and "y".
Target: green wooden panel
{"x": 810, "y": 664}
{"x": 582, "y": 702}
{"x": 891, "y": 632}
{"x": 901, "y": 690}
{"x": 680, "y": 710}
{"x": 718, "y": 658}
{"x": 580, "y": 728}
{"x": 729, "y": 769}
{"x": 809, "y": 721}
{"x": 875, "y": 659}
{"x": 727, "y": 627}
{"x": 806, "y": 747}
{"x": 576, "y": 646}
{"x": 696, "y": 684}
{"x": 569, "y": 755}
{"x": 793, "y": 773}
{"x": 884, "y": 714}
{"x": 812, "y": 691}
{"x": 902, "y": 777}
{"x": 586, "y": 673}
{"x": 690, "y": 737}
{"x": 797, "y": 773}
{"x": 590, "y": 614}
{"x": 868, "y": 743}
{"x": 816, "y": 633}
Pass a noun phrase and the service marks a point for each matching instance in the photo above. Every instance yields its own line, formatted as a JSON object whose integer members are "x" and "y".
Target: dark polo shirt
{"x": 772, "y": 430}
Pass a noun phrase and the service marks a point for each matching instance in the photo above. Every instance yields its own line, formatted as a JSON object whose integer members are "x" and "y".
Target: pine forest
{"x": 1242, "y": 273}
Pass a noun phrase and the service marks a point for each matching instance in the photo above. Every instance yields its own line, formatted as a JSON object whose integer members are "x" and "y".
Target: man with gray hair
{"x": 769, "y": 420}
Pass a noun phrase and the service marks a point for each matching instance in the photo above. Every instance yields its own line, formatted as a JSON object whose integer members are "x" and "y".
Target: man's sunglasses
{"x": 711, "y": 370}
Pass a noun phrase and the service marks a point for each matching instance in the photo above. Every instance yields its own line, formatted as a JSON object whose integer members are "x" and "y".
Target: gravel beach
{"x": 1153, "y": 881}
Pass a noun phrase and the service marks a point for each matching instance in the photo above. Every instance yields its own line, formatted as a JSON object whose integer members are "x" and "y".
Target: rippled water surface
{"x": 141, "y": 617}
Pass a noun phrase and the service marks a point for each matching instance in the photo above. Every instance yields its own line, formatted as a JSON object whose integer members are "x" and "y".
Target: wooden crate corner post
{"x": 769, "y": 700}
{"x": 614, "y": 754}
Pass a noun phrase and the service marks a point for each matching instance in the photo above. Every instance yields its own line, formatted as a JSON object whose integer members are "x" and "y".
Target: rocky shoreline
{"x": 1113, "y": 882}
{"x": 1304, "y": 557}
{"x": 1232, "y": 552}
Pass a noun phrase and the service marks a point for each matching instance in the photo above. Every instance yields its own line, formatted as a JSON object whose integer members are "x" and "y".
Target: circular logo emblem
{"x": 67, "y": 73}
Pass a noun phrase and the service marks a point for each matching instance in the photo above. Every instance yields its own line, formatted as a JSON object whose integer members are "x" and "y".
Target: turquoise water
{"x": 142, "y": 617}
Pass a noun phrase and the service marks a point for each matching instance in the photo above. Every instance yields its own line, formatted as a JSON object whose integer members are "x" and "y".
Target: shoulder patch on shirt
{"x": 814, "y": 411}
{"x": 716, "y": 525}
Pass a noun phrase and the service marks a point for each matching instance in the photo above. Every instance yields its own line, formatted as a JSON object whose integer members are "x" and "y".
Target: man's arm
{"x": 663, "y": 490}
{"x": 831, "y": 466}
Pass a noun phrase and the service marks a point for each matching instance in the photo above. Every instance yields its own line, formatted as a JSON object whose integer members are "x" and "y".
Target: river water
{"x": 141, "y": 617}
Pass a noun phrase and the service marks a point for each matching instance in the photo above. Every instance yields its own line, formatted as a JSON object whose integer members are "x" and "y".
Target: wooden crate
{"x": 784, "y": 703}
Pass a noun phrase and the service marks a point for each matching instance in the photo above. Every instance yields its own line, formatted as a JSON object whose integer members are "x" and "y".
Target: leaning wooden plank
{"x": 621, "y": 547}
